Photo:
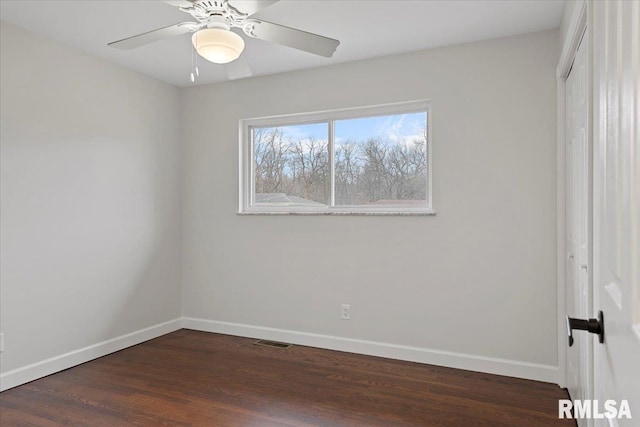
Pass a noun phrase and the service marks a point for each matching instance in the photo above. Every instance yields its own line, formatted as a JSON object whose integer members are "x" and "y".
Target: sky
{"x": 395, "y": 129}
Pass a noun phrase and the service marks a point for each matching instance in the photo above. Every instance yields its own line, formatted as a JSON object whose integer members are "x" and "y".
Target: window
{"x": 360, "y": 161}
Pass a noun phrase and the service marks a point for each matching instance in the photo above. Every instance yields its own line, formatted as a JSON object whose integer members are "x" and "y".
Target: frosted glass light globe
{"x": 218, "y": 45}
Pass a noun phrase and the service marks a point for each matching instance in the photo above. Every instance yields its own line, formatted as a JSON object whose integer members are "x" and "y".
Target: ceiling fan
{"x": 214, "y": 39}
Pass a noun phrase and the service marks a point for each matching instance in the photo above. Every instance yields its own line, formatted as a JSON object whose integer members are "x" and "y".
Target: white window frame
{"x": 247, "y": 161}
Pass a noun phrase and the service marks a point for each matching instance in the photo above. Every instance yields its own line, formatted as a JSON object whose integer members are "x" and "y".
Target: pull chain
{"x": 197, "y": 71}
{"x": 193, "y": 79}
{"x": 194, "y": 63}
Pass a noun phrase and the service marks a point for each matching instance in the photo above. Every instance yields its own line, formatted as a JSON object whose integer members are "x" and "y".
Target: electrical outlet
{"x": 1, "y": 342}
{"x": 345, "y": 313}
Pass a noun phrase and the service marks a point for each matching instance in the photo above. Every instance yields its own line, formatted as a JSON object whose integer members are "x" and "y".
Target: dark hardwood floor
{"x": 196, "y": 378}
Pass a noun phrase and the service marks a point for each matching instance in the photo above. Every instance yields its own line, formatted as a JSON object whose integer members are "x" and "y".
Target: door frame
{"x": 575, "y": 31}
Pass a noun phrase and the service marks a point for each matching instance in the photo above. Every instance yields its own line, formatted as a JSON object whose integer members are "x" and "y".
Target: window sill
{"x": 417, "y": 213}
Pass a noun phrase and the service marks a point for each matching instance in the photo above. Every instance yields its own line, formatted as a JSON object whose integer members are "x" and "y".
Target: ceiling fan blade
{"x": 251, "y": 6}
{"x": 153, "y": 36}
{"x": 238, "y": 69}
{"x": 298, "y": 39}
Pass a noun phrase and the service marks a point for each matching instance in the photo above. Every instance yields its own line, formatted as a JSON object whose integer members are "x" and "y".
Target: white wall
{"x": 477, "y": 279}
{"x": 90, "y": 246}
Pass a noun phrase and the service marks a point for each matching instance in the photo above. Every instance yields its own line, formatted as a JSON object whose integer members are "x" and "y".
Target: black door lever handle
{"x": 594, "y": 326}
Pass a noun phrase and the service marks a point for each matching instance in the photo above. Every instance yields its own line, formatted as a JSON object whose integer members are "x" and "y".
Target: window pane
{"x": 291, "y": 165}
{"x": 381, "y": 161}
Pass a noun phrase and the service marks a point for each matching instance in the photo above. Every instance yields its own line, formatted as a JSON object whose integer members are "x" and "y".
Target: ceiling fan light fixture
{"x": 218, "y": 45}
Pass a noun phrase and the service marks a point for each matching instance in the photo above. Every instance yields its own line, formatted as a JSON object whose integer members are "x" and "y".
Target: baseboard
{"x": 511, "y": 368}
{"x": 55, "y": 364}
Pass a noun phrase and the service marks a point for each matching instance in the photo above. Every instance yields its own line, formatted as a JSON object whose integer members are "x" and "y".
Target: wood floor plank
{"x": 191, "y": 378}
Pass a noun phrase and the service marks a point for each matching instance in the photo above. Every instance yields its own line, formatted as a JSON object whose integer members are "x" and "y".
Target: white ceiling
{"x": 366, "y": 29}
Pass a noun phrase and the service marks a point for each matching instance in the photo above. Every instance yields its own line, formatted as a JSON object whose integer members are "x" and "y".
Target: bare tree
{"x": 384, "y": 170}
{"x": 271, "y": 156}
{"x": 375, "y": 179}
{"x": 406, "y": 168}
{"x": 347, "y": 173}
{"x": 309, "y": 163}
